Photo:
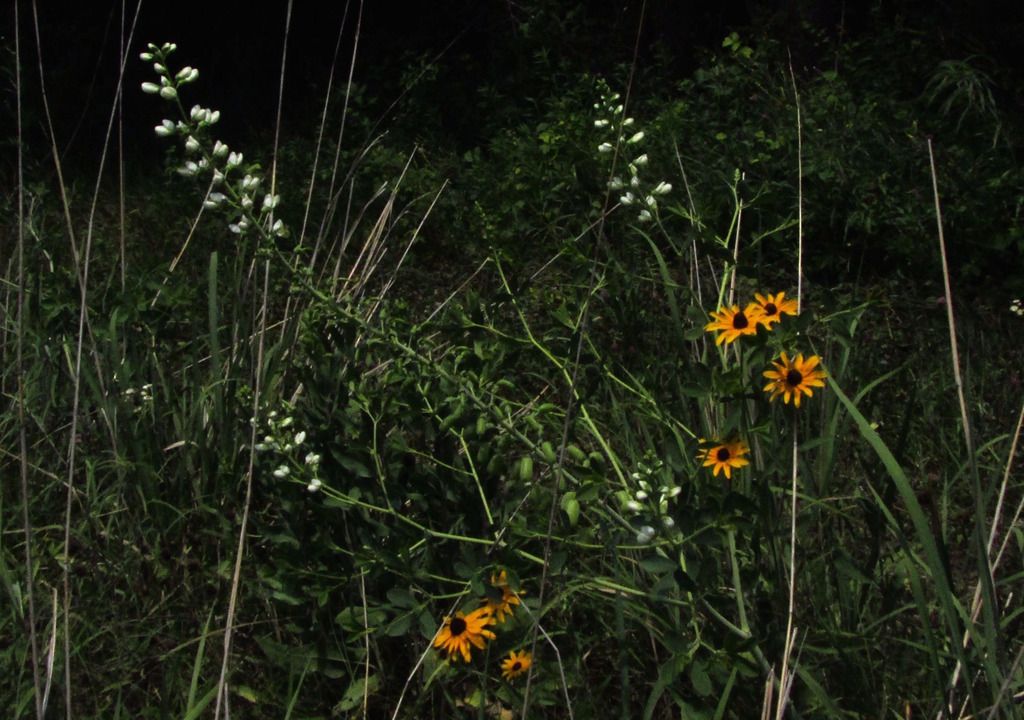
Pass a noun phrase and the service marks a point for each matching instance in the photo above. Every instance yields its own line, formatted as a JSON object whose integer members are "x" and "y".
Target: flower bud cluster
{"x": 231, "y": 185}
{"x": 649, "y": 503}
{"x": 635, "y": 191}
{"x": 138, "y": 397}
{"x": 1017, "y": 308}
{"x": 286, "y": 449}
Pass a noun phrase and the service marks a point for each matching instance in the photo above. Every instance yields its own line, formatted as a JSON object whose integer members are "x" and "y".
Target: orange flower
{"x": 500, "y": 606}
{"x": 773, "y": 307}
{"x": 725, "y": 456}
{"x": 516, "y": 664}
{"x": 793, "y": 378}
{"x": 461, "y": 631}
{"x": 733, "y": 322}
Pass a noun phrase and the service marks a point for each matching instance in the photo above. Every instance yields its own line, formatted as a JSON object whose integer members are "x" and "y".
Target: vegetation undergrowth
{"x": 647, "y": 405}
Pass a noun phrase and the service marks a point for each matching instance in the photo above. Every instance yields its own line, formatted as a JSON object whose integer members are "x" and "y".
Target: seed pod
{"x": 526, "y": 468}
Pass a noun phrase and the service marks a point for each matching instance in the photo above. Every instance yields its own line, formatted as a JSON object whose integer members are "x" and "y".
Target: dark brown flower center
{"x": 457, "y": 627}
{"x": 794, "y": 378}
{"x": 739, "y": 321}
{"x": 723, "y": 454}
{"x": 771, "y": 309}
{"x": 516, "y": 666}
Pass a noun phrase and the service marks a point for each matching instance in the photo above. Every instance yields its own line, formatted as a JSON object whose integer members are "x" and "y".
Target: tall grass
{"x": 264, "y": 472}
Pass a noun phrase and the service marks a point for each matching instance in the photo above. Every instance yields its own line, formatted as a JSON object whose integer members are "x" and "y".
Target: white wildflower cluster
{"x": 231, "y": 185}
{"x": 623, "y": 134}
{"x": 1017, "y": 308}
{"x": 649, "y": 503}
{"x": 285, "y": 447}
{"x": 139, "y": 397}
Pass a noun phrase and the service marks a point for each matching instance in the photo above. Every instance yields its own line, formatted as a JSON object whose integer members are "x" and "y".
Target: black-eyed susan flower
{"x": 725, "y": 456}
{"x": 516, "y": 664}
{"x": 794, "y": 378}
{"x": 461, "y": 631}
{"x": 731, "y": 322}
{"x": 500, "y": 598}
{"x": 773, "y": 307}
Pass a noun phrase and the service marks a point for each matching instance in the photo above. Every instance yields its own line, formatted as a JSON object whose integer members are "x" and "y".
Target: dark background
{"x": 237, "y": 47}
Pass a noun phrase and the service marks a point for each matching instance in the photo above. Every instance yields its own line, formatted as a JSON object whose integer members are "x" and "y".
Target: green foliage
{"x": 548, "y": 403}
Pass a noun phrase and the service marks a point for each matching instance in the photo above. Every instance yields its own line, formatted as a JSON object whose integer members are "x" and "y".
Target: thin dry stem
{"x": 222, "y": 682}
{"x": 785, "y": 676}
{"x": 954, "y": 352}
{"x": 20, "y": 359}
{"x": 571, "y": 392}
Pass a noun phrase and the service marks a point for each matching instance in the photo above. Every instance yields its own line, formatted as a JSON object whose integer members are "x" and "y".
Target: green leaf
{"x": 699, "y": 679}
{"x": 353, "y": 696}
{"x": 667, "y": 674}
{"x": 401, "y": 597}
{"x": 658, "y": 565}
{"x": 246, "y": 692}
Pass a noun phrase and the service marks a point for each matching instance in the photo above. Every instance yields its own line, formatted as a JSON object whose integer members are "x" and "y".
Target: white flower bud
{"x": 312, "y": 459}
{"x": 150, "y": 88}
{"x": 627, "y": 199}
{"x": 633, "y": 506}
{"x": 645, "y": 535}
{"x": 634, "y": 182}
{"x": 300, "y": 437}
{"x": 637, "y": 137}
{"x": 278, "y": 228}
{"x": 627, "y": 122}
{"x": 164, "y": 131}
{"x": 615, "y": 183}
{"x": 663, "y": 188}
{"x": 168, "y": 93}
{"x": 600, "y": 123}
{"x": 644, "y": 216}
{"x": 218, "y": 177}
{"x": 314, "y": 485}
{"x": 196, "y": 113}
{"x": 219, "y": 149}
{"x": 234, "y": 160}
{"x": 641, "y": 495}
{"x": 212, "y": 117}
{"x": 270, "y": 201}
{"x": 640, "y": 160}
{"x": 604, "y": 147}
{"x": 246, "y": 203}
{"x": 159, "y": 68}
{"x": 287, "y": 421}
{"x": 651, "y": 202}
{"x": 618, "y": 109}
{"x": 191, "y": 144}
{"x": 281, "y": 472}
{"x": 668, "y": 522}
{"x": 146, "y": 56}
{"x": 218, "y": 197}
